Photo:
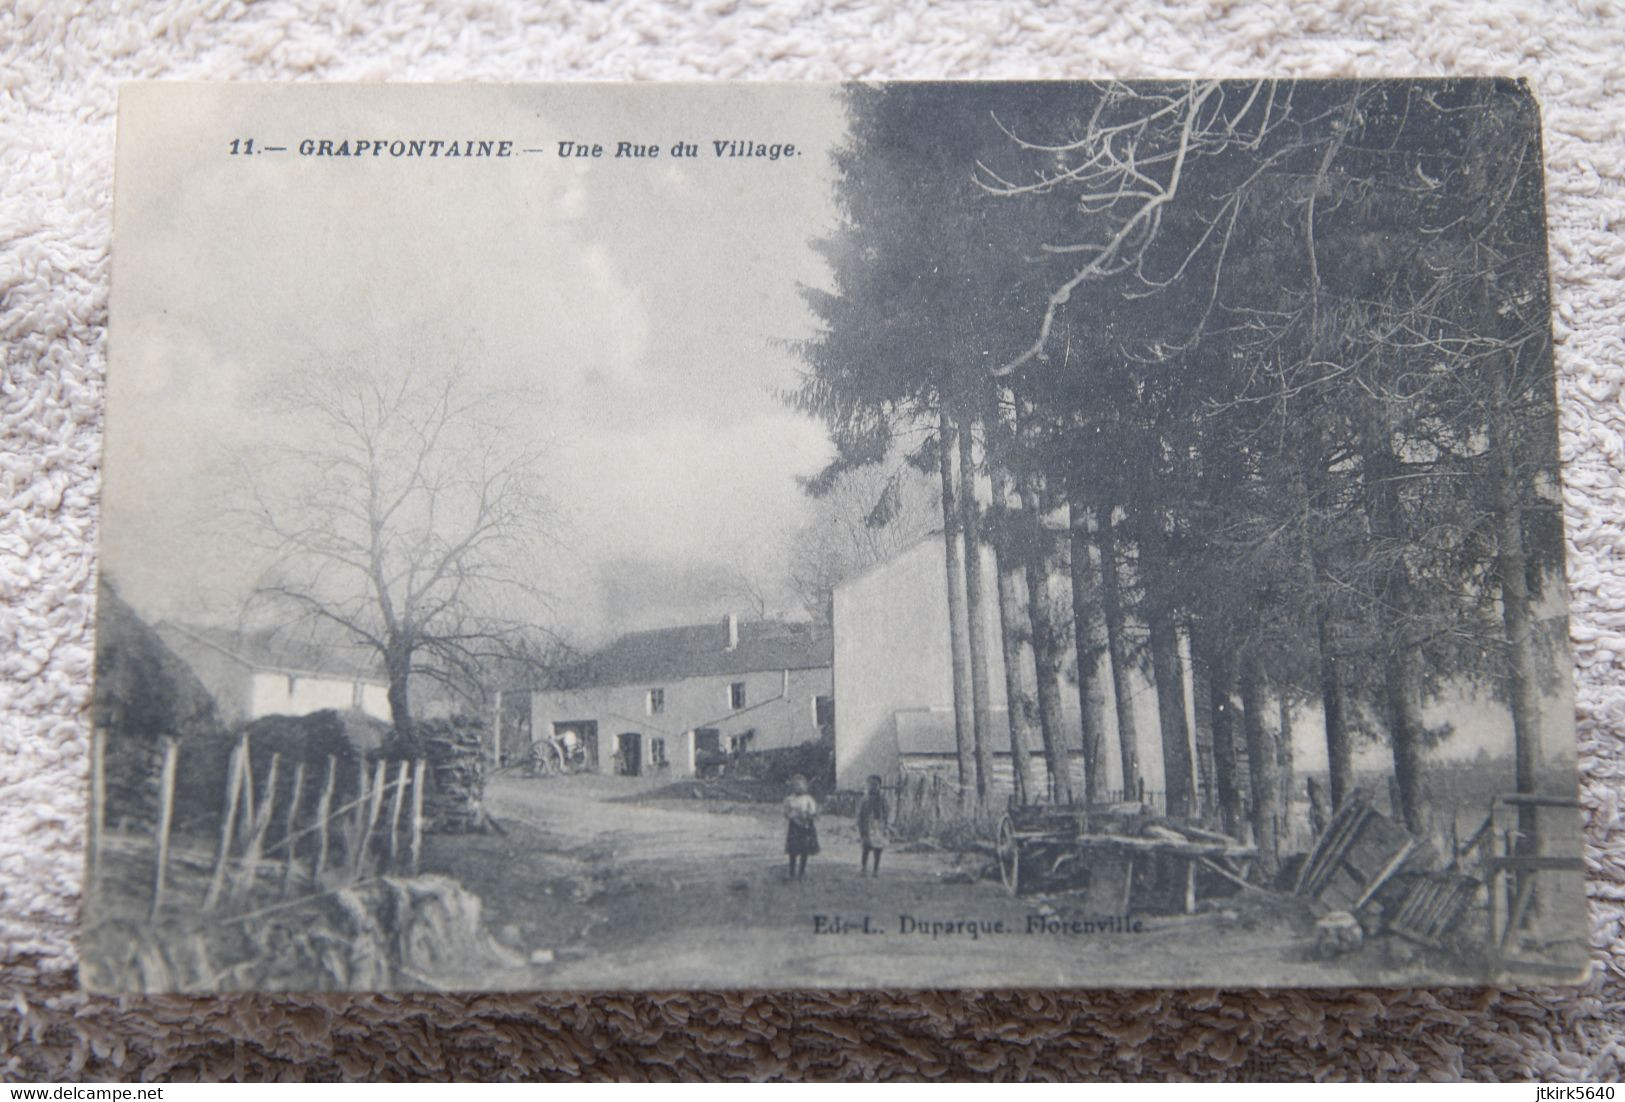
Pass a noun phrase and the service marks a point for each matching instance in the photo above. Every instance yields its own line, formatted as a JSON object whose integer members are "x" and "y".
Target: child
{"x": 801, "y": 837}
{"x": 873, "y": 814}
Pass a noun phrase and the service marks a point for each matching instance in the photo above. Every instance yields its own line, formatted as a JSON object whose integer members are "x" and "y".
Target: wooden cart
{"x": 1118, "y": 857}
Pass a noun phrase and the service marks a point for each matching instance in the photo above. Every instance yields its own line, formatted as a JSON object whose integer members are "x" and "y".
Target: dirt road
{"x": 624, "y": 891}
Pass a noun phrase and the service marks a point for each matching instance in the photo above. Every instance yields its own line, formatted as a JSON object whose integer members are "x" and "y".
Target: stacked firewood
{"x": 455, "y": 799}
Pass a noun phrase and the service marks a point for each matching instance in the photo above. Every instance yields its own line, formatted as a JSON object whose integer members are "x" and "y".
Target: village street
{"x": 622, "y": 890}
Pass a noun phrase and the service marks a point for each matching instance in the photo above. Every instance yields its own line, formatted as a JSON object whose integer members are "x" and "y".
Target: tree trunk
{"x": 1089, "y": 644}
{"x": 1169, "y": 673}
{"x": 1518, "y": 620}
{"x": 976, "y": 613}
{"x": 1111, "y": 604}
{"x": 398, "y": 667}
{"x": 1334, "y": 707}
{"x": 1287, "y": 783}
{"x": 1401, "y": 683}
{"x": 1221, "y": 680}
{"x": 1202, "y": 730}
{"x": 1167, "y": 670}
{"x": 1261, "y": 764}
{"x": 1021, "y": 706}
{"x": 964, "y": 720}
{"x": 1046, "y": 649}
{"x": 1405, "y": 733}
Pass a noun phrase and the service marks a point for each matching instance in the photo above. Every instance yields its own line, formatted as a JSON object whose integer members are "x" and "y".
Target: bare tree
{"x": 1125, "y": 169}
{"x": 402, "y": 514}
{"x": 867, "y": 515}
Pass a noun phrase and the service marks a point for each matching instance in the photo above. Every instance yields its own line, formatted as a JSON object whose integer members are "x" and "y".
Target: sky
{"x": 646, "y": 304}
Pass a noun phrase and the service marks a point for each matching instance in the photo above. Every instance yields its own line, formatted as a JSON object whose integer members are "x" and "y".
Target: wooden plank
{"x": 1519, "y": 908}
{"x": 1485, "y": 830}
{"x": 1323, "y": 860}
{"x": 234, "y": 786}
{"x": 1158, "y": 845}
{"x": 1387, "y": 874}
{"x": 1530, "y": 799}
{"x": 1492, "y": 904}
{"x": 322, "y": 805}
{"x": 1535, "y": 864}
{"x": 166, "y": 817}
{"x": 1214, "y": 866}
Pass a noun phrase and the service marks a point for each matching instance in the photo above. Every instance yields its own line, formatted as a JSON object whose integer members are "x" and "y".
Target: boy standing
{"x": 873, "y": 815}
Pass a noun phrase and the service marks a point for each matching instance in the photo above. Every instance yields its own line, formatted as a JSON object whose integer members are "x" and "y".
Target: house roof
{"x": 931, "y": 731}
{"x": 701, "y": 650}
{"x": 271, "y": 651}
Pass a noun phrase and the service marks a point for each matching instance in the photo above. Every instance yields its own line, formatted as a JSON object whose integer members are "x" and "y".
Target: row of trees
{"x": 1253, "y": 372}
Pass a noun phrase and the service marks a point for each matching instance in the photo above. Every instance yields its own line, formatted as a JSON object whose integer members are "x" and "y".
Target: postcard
{"x": 594, "y": 536}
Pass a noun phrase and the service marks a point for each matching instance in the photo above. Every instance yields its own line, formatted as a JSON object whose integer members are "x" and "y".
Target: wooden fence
{"x": 289, "y": 830}
{"x": 923, "y": 800}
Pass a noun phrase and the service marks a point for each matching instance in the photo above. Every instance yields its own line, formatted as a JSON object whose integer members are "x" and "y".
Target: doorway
{"x": 629, "y": 754}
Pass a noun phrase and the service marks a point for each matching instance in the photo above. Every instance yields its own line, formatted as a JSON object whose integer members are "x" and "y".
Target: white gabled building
{"x": 254, "y": 674}
{"x": 894, "y": 678}
{"x": 661, "y": 701}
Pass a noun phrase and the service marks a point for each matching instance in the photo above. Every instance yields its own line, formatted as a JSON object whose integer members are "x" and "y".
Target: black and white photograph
{"x": 876, "y": 535}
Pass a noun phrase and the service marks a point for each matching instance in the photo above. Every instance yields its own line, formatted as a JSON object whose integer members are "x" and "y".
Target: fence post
{"x": 250, "y": 809}
{"x": 250, "y": 870}
{"x": 395, "y": 808}
{"x": 234, "y": 787}
{"x": 358, "y": 820}
{"x": 418, "y": 772}
{"x": 322, "y": 805}
{"x": 291, "y": 825}
{"x": 166, "y": 814}
{"x": 375, "y": 800}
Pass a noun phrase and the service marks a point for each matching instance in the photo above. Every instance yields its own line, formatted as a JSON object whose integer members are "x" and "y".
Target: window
{"x": 736, "y": 695}
{"x": 657, "y": 752}
{"x": 657, "y": 701}
{"x": 357, "y": 694}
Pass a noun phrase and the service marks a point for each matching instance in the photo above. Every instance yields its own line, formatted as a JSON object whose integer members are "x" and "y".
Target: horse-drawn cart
{"x": 1118, "y": 856}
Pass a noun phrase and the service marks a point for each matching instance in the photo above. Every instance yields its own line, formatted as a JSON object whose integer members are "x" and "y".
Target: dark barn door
{"x": 630, "y": 754}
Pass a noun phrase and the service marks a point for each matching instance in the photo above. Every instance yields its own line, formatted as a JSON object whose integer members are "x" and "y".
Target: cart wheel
{"x": 1009, "y": 857}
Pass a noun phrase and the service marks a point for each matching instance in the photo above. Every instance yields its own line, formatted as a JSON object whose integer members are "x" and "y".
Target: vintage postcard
{"x": 912, "y": 535}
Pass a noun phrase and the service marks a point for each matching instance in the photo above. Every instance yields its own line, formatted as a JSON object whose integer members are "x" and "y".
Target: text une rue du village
{"x": 715, "y": 149}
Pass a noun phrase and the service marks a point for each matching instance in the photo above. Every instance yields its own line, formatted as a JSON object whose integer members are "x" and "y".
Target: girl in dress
{"x": 801, "y": 836}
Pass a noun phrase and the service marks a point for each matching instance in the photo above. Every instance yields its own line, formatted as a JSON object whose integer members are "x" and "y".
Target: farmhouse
{"x": 672, "y": 699}
{"x": 260, "y": 673}
{"x": 894, "y": 678}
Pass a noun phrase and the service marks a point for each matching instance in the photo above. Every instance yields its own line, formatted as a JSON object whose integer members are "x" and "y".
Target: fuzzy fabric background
{"x": 59, "y": 74}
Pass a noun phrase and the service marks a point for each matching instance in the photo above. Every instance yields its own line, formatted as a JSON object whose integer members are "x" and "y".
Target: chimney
{"x": 730, "y": 625}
